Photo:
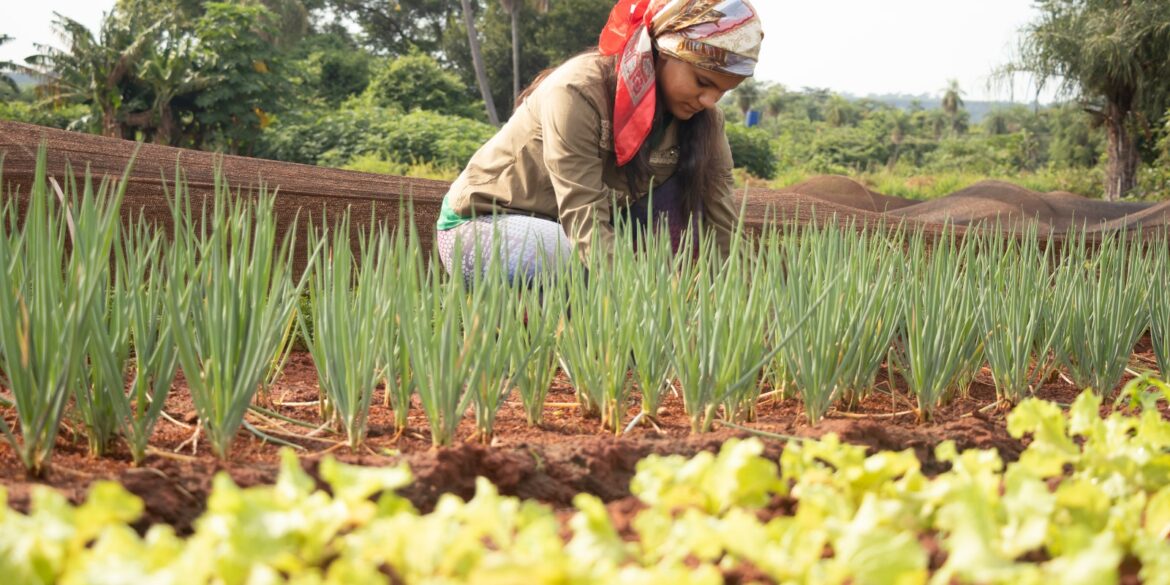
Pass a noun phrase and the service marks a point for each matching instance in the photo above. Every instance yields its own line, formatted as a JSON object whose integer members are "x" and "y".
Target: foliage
{"x": 416, "y": 81}
{"x": 547, "y": 39}
{"x": 752, "y": 150}
{"x": 64, "y": 116}
{"x": 349, "y": 314}
{"x": 247, "y": 80}
{"x": 7, "y": 84}
{"x": 1084, "y": 496}
{"x": 232, "y": 287}
{"x": 332, "y": 67}
{"x": 364, "y": 134}
{"x": 52, "y": 298}
{"x": 1112, "y": 57}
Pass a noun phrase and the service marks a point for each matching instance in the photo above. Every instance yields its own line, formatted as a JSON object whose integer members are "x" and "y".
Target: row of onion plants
{"x": 97, "y": 317}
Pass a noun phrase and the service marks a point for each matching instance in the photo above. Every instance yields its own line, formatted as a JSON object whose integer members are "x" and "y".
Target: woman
{"x": 635, "y": 116}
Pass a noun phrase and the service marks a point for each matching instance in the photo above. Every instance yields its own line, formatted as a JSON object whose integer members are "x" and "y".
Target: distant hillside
{"x": 978, "y": 110}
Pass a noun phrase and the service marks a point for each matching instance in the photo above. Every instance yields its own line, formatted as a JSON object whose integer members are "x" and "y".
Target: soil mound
{"x": 847, "y": 192}
{"x": 307, "y": 191}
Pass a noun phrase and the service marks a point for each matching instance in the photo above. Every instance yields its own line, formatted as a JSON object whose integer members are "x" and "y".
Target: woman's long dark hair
{"x": 697, "y": 140}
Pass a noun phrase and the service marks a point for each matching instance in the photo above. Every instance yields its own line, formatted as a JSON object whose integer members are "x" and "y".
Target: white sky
{"x": 856, "y": 46}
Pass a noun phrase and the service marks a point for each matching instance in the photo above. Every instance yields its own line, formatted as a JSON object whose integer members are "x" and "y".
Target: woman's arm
{"x": 571, "y": 129}
{"x": 720, "y": 210}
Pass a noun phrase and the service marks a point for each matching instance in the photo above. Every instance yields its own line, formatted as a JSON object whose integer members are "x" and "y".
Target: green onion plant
{"x": 1158, "y": 248}
{"x": 649, "y": 293}
{"x": 595, "y": 339}
{"x": 941, "y": 318}
{"x": 1107, "y": 290}
{"x": 153, "y": 360}
{"x": 349, "y": 311}
{"x": 440, "y": 357}
{"x": 53, "y": 274}
{"x": 843, "y": 282}
{"x": 232, "y": 290}
{"x": 1021, "y": 313}
{"x": 400, "y": 267}
{"x": 489, "y": 328}
{"x": 534, "y": 357}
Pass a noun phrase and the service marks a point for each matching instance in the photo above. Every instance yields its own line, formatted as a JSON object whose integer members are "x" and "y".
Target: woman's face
{"x": 687, "y": 89}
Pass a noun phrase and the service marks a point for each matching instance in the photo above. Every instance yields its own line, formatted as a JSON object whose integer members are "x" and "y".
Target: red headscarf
{"x": 721, "y": 35}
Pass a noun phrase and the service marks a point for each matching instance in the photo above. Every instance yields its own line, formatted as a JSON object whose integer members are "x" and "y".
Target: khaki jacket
{"x": 555, "y": 159}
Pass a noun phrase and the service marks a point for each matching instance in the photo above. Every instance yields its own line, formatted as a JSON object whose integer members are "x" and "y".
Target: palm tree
{"x": 481, "y": 77}
{"x": 996, "y": 123}
{"x": 512, "y": 7}
{"x": 169, "y": 70}
{"x": 952, "y": 103}
{"x": 776, "y": 101}
{"x": 900, "y": 126}
{"x": 93, "y": 70}
{"x": 5, "y": 67}
{"x": 838, "y": 111}
{"x": 747, "y": 94}
{"x": 1112, "y": 56}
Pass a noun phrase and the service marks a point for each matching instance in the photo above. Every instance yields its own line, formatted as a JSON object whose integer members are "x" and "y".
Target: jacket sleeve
{"x": 720, "y": 210}
{"x": 571, "y": 127}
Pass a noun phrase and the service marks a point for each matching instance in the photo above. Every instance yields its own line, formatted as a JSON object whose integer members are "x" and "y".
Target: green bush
{"x": 751, "y": 149}
{"x": 70, "y": 117}
{"x": 375, "y": 133}
{"x": 416, "y": 81}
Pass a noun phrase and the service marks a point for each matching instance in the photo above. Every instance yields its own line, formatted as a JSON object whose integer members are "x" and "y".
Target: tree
{"x": 747, "y": 94}
{"x": 512, "y": 7}
{"x": 417, "y": 81}
{"x": 5, "y": 67}
{"x": 952, "y": 104}
{"x": 481, "y": 77}
{"x": 838, "y": 111}
{"x": 1114, "y": 57}
{"x": 396, "y": 27}
{"x": 93, "y": 70}
{"x": 170, "y": 71}
{"x": 900, "y": 126}
{"x": 245, "y": 71}
{"x": 996, "y": 123}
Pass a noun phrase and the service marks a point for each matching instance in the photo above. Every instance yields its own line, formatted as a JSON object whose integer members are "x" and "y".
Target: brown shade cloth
{"x": 308, "y": 190}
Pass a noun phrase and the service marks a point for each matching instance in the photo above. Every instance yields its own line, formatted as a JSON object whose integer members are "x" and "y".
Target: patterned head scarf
{"x": 719, "y": 35}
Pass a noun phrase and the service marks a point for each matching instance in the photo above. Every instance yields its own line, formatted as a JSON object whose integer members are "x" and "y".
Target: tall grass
{"x": 53, "y": 273}
{"x": 232, "y": 289}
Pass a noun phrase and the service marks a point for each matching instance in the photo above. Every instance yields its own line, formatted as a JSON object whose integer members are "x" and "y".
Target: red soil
{"x": 567, "y": 455}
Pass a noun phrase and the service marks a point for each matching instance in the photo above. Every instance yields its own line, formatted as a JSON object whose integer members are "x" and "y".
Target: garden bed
{"x": 566, "y": 455}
